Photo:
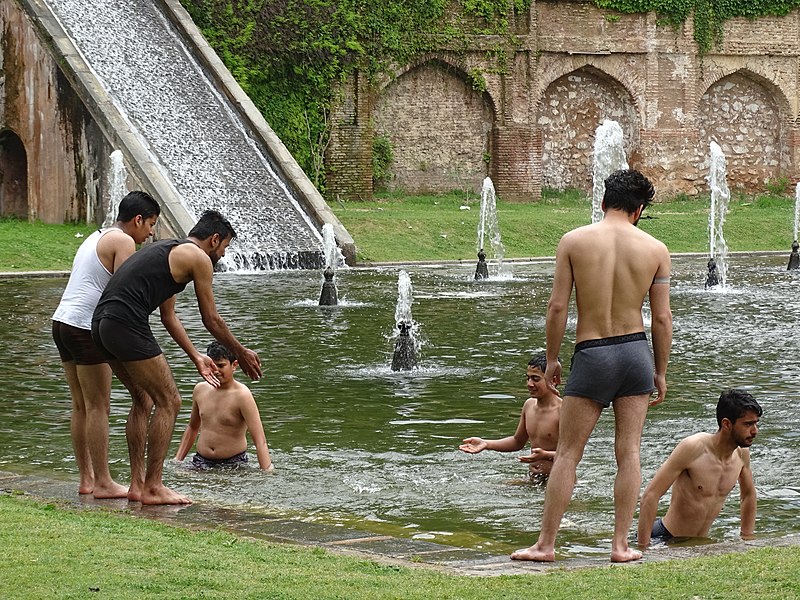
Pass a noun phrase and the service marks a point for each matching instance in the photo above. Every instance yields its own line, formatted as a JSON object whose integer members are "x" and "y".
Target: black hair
{"x": 627, "y": 190}
{"x": 135, "y": 203}
{"x": 217, "y": 351}
{"x": 734, "y": 404}
{"x": 211, "y": 222}
{"x": 539, "y": 362}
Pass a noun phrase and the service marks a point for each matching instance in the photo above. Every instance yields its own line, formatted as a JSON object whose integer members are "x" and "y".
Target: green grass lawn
{"x": 50, "y": 551}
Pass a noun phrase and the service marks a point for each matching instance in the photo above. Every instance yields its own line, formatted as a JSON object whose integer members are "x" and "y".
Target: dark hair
{"x": 217, "y": 351}
{"x": 539, "y": 362}
{"x": 135, "y": 203}
{"x": 627, "y": 190}
{"x": 212, "y": 222}
{"x": 734, "y": 403}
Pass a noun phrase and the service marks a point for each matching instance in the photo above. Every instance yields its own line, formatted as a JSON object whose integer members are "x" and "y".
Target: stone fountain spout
{"x": 329, "y": 295}
{"x": 794, "y": 257}
{"x": 712, "y": 279}
{"x": 482, "y": 269}
{"x": 405, "y": 353}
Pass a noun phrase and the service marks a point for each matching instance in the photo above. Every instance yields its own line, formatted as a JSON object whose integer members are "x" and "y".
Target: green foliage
{"x": 288, "y": 55}
{"x": 708, "y": 16}
{"x": 382, "y": 156}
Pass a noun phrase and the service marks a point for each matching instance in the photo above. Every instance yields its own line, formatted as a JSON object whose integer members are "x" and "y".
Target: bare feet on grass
{"x": 110, "y": 490}
{"x": 534, "y": 553}
{"x": 162, "y": 495}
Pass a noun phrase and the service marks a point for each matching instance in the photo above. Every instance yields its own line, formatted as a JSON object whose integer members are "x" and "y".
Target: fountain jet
{"x": 329, "y": 296}
{"x": 487, "y": 224}
{"x": 117, "y": 185}
{"x": 406, "y": 348}
{"x": 609, "y": 156}
{"x": 794, "y": 257}
{"x": 720, "y": 197}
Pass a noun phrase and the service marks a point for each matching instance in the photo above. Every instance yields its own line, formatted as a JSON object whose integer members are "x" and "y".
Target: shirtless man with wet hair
{"x": 702, "y": 470}
{"x": 612, "y": 266}
{"x": 120, "y": 328}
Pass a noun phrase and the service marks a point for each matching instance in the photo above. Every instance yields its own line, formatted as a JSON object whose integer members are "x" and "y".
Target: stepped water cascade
{"x": 118, "y": 177}
{"x": 720, "y": 198}
{"x": 195, "y": 135}
{"x": 609, "y": 156}
{"x": 488, "y": 226}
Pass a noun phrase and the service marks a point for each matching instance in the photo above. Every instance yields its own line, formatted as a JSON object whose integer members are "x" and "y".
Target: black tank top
{"x": 139, "y": 286}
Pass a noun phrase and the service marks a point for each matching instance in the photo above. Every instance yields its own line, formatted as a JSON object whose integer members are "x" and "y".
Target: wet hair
{"x": 217, "y": 351}
{"x": 135, "y": 203}
{"x": 539, "y": 362}
{"x": 627, "y": 190}
{"x": 211, "y": 222}
{"x": 734, "y": 404}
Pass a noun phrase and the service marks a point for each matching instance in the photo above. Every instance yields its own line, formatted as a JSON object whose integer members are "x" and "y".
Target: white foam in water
{"x": 194, "y": 134}
{"x": 609, "y": 156}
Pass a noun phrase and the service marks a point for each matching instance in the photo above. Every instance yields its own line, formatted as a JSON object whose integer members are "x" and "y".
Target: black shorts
{"x": 120, "y": 342}
{"x": 201, "y": 462}
{"x": 75, "y": 345}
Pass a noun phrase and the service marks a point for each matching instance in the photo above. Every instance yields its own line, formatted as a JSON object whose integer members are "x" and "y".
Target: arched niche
{"x": 13, "y": 176}
{"x": 742, "y": 114}
{"x": 571, "y": 109}
{"x": 438, "y": 127}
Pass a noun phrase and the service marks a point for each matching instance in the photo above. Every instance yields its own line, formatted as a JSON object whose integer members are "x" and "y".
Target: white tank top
{"x": 86, "y": 282}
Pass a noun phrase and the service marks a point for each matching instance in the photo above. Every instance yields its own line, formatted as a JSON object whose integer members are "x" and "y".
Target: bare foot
{"x": 163, "y": 495}
{"x": 534, "y": 553}
{"x": 135, "y": 491}
{"x": 626, "y": 555}
{"x": 85, "y": 489}
{"x": 110, "y": 490}
{"x": 86, "y": 485}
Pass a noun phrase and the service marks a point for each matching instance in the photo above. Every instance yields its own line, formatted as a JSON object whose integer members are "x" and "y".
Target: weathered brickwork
{"x": 574, "y": 65}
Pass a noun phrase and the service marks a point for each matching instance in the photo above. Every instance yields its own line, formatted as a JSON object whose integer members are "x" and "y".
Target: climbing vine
{"x": 288, "y": 55}
{"x": 708, "y": 16}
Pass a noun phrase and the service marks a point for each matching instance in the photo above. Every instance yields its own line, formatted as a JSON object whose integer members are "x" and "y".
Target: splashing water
{"x": 406, "y": 350}
{"x": 333, "y": 256}
{"x": 117, "y": 177}
{"x": 720, "y": 197}
{"x": 609, "y": 156}
{"x": 796, "y": 210}
{"x": 488, "y": 224}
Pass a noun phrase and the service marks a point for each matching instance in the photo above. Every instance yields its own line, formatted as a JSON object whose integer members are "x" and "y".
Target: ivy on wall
{"x": 288, "y": 55}
{"x": 708, "y": 16}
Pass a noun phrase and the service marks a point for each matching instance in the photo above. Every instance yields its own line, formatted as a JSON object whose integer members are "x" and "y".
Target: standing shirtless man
{"x": 702, "y": 470}
{"x": 612, "y": 265}
{"x": 120, "y": 327}
{"x": 86, "y": 368}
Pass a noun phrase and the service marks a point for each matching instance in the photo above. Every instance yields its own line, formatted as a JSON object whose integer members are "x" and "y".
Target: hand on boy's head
{"x": 250, "y": 364}
{"x": 553, "y": 373}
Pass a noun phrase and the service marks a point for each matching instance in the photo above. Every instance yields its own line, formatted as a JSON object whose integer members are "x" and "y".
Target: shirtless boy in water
{"x": 702, "y": 470}
{"x": 224, "y": 414}
{"x": 538, "y": 424}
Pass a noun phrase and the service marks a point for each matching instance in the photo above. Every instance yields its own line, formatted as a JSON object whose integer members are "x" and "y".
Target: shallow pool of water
{"x": 358, "y": 444}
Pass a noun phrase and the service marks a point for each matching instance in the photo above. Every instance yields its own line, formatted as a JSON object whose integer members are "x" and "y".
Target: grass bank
{"x": 400, "y": 228}
{"x": 396, "y": 228}
{"x": 50, "y": 551}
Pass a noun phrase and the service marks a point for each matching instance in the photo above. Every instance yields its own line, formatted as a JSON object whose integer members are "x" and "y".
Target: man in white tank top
{"x": 86, "y": 368}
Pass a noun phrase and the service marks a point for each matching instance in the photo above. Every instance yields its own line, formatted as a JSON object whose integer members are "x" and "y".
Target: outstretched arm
{"x": 747, "y": 492}
{"x": 256, "y": 429}
{"x": 173, "y": 325}
{"x": 190, "y": 435}
{"x": 512, "y": 443}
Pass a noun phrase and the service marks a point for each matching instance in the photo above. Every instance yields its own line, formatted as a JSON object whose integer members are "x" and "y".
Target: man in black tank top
{"x": 120, "y": 328}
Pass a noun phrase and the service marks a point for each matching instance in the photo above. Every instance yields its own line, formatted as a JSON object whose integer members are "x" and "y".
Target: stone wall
{"x": 572, "y": 66}
{"x": 53, "y": 157}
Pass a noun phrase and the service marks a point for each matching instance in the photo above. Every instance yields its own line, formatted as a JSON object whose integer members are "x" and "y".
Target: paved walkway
{"x": 407, "y": 552}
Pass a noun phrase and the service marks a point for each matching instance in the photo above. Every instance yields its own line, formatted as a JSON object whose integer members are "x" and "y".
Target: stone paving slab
{"x": 404, "y": 551}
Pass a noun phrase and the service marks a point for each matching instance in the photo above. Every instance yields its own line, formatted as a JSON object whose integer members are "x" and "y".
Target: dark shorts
{"x": 75, "y": 345}
{"x": 122, "y": 343}
{"x": 660, "y": 532}
{"x": 610, "y": 368}
{"x": 201, "y": 462}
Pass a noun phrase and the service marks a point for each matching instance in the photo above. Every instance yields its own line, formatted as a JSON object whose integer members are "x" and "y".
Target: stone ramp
{"x": 383, "y": 548}
{"x": 151, "y": 64}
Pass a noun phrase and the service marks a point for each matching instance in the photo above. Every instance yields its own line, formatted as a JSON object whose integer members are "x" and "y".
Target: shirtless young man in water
{"x": 538, "y": 425}
{"x": 702, "y": 470}
{"x": 120, "y": 328}
{"x": 613, "y": 266}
